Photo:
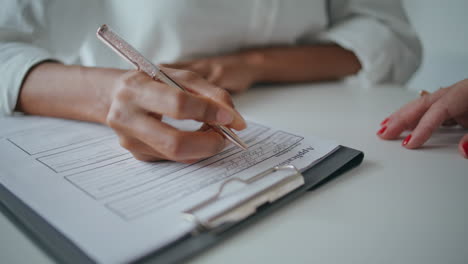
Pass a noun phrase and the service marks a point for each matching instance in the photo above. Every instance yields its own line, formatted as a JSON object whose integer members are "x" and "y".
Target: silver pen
{"x": 125, "y": 50}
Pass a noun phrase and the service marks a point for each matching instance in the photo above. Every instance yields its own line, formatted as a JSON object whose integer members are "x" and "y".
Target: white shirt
{"x": 165, "y": 31}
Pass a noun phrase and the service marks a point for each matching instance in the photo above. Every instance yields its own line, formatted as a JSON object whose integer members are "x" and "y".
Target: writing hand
{"x": 139, "y": 103}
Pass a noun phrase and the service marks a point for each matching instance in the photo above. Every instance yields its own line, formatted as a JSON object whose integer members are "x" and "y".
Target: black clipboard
{"x": 60, "y": 248}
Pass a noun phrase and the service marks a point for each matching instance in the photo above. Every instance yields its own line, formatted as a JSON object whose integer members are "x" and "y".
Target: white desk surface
{"x": 399, "y": 206}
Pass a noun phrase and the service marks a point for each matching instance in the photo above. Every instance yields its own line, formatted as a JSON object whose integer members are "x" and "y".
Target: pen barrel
{"x": 126, "y": 51}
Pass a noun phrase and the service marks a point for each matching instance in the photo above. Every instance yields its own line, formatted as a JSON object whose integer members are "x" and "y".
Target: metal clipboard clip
{"x": 248, "y": 205}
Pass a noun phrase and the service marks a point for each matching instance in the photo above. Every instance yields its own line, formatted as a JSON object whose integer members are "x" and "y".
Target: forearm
{"x": 302, "y": 63}
{"x": 72, "y": 92}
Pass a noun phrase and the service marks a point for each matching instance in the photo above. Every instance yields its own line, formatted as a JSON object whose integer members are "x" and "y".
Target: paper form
{"x": 114, "y": 207}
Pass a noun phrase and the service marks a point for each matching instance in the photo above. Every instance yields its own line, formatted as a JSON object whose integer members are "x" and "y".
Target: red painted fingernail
{"x": 385, "y": 121}
{"x": 382, "y": 130}
{"x": 407, "y": 139}
{"x": 465, "y": 147}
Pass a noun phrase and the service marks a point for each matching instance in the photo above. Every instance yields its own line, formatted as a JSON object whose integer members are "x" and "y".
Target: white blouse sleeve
{"x": 379, "y": 33}
{"x": 20, "y": 22}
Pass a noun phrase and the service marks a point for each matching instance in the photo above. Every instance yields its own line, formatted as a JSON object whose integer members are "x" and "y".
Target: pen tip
{"x": 242, "y": 145}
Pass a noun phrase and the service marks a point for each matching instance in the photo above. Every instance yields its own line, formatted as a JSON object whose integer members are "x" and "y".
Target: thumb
{"x": 463, "y": 146}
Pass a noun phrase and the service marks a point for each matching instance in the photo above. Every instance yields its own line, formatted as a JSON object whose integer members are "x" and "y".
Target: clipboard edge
{"x": 52, "y": 242}
{"x": 347, "y": 159}
{"x": 61, "y": 249}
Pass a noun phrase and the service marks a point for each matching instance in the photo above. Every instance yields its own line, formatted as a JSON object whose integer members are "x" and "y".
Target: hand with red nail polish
{"x": 427, "y": 113}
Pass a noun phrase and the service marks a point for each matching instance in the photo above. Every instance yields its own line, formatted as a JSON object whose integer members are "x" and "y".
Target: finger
{"x": 408, "y": 116}
{"x": 200, "y": 86}
{"x": 432, "y": 119}
{"x": 136, "y": 146}
{"x": 181, "y": 64}
{"x": 446, "y": 123}
{"x": 165, "y": 139}
{"x": 176, "y": 65}
{"x": 162, "y": 99}
{"x": 217, "y": 77}
{"x": 205, "y": 127}
{"x": 404, "y": 119}
{"x": 200, "y": 68}
{"x": 463, "y": 146}
{"x": 216, "y": 74}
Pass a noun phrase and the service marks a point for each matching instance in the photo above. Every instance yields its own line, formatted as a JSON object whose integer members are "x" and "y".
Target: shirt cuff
{"x": 17, "y": 59}
{"x": 373, "y": 44}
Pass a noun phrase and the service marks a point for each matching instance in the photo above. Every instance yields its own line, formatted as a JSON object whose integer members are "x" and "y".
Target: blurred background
{"x": 442, "y": 27}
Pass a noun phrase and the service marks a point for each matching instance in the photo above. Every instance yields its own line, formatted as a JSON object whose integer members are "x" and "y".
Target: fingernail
{"x": 385, "y": 121}
{"x": 465, "y": 147}
{"x": 382, "y": 130}
{"x": 407, "y": 139}
{"x": 224, "y": 117}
